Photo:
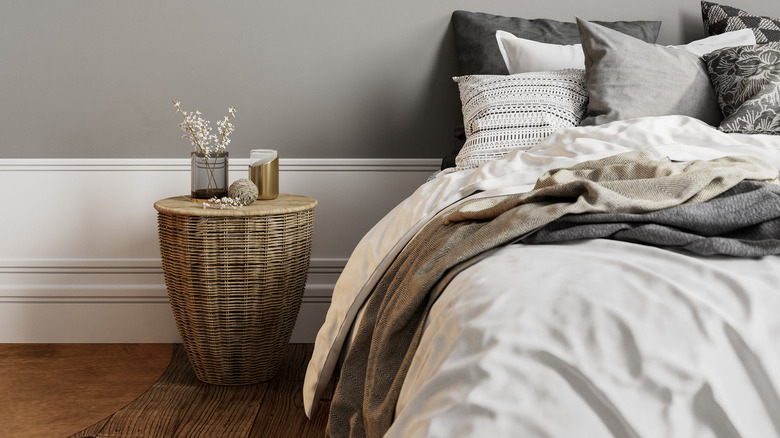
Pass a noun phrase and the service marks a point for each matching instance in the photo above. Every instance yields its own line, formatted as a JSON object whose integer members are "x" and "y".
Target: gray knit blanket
{"x": 742, "y": 222}
{"x": 389, "y": 332}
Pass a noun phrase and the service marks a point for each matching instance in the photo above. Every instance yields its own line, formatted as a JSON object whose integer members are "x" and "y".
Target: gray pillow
{"x": 478, "y": 53}
{"x": 747, "y": 82}
{"x": 630, "y": 78}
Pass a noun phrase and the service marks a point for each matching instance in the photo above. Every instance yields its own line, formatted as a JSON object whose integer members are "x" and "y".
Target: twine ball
{"x": 243, "y": 190}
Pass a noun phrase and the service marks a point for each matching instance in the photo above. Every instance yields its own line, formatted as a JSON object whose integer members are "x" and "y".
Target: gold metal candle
{"x": 264, "y": 172}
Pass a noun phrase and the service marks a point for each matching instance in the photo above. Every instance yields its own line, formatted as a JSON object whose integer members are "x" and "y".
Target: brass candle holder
{"x": 264, "y": 172}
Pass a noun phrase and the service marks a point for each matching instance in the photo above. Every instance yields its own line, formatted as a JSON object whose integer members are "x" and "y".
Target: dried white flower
{"x": 198, "y": 131}
{"x": 223, "y": 203}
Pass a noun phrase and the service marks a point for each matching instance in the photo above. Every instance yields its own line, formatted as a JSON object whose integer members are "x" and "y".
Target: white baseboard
{"x": 80, "y": 259}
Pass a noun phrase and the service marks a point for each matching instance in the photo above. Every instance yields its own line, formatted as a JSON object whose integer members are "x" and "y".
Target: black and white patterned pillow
{"x": 503, "y": 113}
{"x": 747, "y": 82}
{"x": 720, "y": 19}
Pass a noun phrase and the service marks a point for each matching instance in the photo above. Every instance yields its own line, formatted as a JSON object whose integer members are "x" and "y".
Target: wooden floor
{"x": 179, "y": 405}
{"x": 54, "y": 390}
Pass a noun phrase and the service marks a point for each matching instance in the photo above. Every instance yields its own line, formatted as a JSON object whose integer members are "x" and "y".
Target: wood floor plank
{"x": 156, "y": 413}
{"x": 230, "y": 410}
{"x": 295, "y": 360}
{"x": 315, "y": 428}
{"x": 93, "y": 430}
{"x": 282, "y": 413}
{"x": 53, "y": 390}
{"x": 179, "y": 405}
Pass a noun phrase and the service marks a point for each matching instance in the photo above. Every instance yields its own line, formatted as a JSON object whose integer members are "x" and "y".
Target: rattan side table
{"x": 235, "y": 279}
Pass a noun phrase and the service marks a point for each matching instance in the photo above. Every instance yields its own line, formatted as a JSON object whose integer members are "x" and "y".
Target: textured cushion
{"x": 747, "y": 83}
{"x": 521, "y": 55}
{"x": 475, "y": 36}
{"x": 720, "y": 18}
{"x": 503, "y": 113}
{"x": 630, "y": 78}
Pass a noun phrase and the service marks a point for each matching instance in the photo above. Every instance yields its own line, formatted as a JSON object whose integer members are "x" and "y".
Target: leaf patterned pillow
{"x": 747, "y": 82}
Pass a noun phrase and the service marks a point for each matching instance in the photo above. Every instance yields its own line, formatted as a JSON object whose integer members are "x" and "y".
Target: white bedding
{"x": 599, "y": 338}
{"x": 586, "y": 338}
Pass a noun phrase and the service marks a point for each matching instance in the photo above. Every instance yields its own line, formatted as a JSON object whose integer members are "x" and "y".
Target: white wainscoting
{"x": 79, "y": 256}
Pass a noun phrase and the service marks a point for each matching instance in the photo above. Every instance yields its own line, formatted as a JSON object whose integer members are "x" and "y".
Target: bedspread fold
{"x": 387, "y": 337}
{"x": 709, "y": 228}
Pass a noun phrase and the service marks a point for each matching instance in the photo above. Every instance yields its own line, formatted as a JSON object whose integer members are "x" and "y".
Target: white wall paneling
{"x": 79, "y": 260}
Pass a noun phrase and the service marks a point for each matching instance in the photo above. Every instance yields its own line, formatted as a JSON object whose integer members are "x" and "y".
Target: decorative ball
{"x": 244, "y": 191}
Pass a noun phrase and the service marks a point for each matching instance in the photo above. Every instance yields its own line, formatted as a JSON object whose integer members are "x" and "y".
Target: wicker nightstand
{"x": 235, "y": 279}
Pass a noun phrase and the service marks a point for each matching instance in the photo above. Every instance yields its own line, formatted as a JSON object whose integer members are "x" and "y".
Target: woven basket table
{"x": 235, "y": 279}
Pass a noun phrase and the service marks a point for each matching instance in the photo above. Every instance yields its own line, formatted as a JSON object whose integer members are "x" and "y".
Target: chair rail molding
{"x": 80, "y": 259}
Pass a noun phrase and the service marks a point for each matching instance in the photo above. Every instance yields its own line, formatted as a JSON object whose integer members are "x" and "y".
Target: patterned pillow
{"x": 747, "y": 83}
{"x": 720, "y": 19}
{"x": 503, "y": 113}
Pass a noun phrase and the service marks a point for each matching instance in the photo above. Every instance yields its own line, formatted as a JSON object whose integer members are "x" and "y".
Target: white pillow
{"x": 522, "y": 55}
{"x": 742, "y": 37}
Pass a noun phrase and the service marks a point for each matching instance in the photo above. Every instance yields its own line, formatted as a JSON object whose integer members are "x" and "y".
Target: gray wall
{"x": 315, "y": 79}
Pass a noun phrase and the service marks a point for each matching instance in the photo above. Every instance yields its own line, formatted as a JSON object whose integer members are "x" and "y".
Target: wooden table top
{"x": 285, "y": 203}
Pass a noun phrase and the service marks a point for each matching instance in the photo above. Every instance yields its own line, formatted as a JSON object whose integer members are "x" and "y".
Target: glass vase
{"x": 209, "y": 175}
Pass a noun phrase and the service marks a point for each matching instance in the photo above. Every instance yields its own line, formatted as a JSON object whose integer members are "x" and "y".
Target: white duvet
{"x": 590, "y": 338}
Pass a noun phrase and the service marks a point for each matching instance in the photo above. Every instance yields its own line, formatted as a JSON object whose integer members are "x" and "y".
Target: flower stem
{"x": 230, "y": 115}
{"x": 212, "y": 178}
{"x": 192, "y": 131}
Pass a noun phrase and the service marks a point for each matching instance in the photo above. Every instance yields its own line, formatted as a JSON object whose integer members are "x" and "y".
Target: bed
{"x": 599, "y": 257}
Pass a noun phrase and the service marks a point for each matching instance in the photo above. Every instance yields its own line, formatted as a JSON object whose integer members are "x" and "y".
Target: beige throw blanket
{"x": 387, "y": 337}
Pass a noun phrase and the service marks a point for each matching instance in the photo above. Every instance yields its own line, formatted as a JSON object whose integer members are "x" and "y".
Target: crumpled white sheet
{"x": 599, "y": 338}
{"x": 678, "y": 137}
